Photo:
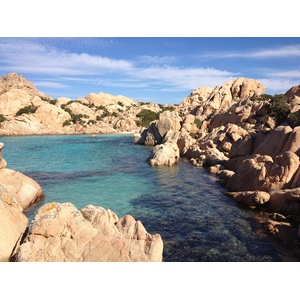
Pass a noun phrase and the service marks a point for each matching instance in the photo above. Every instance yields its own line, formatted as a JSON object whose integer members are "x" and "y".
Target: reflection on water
{"x": 184, "y": 204}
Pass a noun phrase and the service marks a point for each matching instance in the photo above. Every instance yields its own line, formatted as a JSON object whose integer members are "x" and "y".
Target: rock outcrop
{"x": 62, "y": 233}
{"x": 17, "y": 191}
{"x": 24, "y": 189}
{"x": 13, "y": 224}
{"x": 26, "y": 111}
{"x": 167, "y": 153}
{"x": 251, "y": 142}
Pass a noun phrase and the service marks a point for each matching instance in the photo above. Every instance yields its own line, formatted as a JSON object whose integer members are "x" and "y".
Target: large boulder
{"x": 13, "y": 224}
{"x": 167, "y": 153}
{"x": 3, "y": 163}
{"x": 23, "y": 188}
{"x": 261, "y": 173}
{"x": 250, "y": 198}
{"x": 272, "y": 143}
{"x": 222, "y": 98}
{"x": 293, "y": 91}
{"x": 286, "y": 201}
{"x": 62, "y": 233}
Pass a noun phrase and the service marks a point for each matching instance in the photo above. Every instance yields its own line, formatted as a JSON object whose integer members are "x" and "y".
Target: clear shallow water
{"x": 184, "y": 204}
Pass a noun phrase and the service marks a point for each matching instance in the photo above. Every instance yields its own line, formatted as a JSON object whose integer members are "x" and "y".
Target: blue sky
{"x": 162, "y": 69}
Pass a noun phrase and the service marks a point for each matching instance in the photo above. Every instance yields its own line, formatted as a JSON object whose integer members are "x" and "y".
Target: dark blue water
{"x": 184, "y": 204}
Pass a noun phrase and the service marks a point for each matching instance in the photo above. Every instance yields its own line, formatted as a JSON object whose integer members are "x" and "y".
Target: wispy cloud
{"x": 184, "y": 78}
{"x": 51, "y": 84}
{"x": 31, "y": 57}
{"x": 279, "y": 52}
{"x": 64, "y": 69}
{"x": 35, "y": 57}
{"x": 156, "y": 60}
{"x": 278, "y": 85}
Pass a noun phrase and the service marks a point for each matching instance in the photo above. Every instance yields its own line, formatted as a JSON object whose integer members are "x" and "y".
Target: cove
{"x": 184, "y": 204}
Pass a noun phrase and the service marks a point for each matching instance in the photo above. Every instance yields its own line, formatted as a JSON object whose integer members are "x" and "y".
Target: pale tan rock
{"x": 61, "y": 232}
{"x": 96, "y": 113}
{"x": 273, "y": 142}
{"x": 250, "y": 198}
{"x": 23, "y": 188}
{"x": 293, "y": 142}
{"x": 293, "y": 91}
{"x": 185, "y": 141}
{"x": 167, "y": 153}
{"x": 260, "y": 173}
{"x": 168, "y": 121}
{"x": 282, "y": 231}
{"x": 12, "y": 225}
{"x": 195, "y": 99}
{"x": 286, "y": 201}
{"x": 3, "y": 163}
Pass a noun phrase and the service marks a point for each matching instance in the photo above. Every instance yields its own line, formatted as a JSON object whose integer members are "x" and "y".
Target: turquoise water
{"x": 184, "y": 204}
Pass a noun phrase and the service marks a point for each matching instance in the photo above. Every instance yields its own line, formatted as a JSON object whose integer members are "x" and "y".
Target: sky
{"x": 149, "y": 69}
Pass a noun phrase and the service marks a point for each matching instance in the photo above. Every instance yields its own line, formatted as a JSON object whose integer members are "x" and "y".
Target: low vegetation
{"x": 147, "y": 116}
{"x": 30, "y": 109}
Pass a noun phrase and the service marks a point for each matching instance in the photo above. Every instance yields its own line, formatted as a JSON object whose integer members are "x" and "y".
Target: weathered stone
{"x": 61, "y": 232}
{"x": 286, "y": 202}
{"x": 166, "y": 154}
{"x": 250, "y": 198}
{"x": 12, "y": 225}
{"x": 23, "y": 188}
{"x": 271, "y": 143}
{"x": 260, "y": 173}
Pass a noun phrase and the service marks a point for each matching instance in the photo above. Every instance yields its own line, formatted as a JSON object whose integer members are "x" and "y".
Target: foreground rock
{"x": 62, "y": 233}
{"x": 24, "y": 189}
{"x": 13, "y": 224}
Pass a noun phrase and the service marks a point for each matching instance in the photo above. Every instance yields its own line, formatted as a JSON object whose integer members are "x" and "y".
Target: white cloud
{"x": 30, "y": 57}
{"x": 277, "y": 85}
{"x": 185, "y": 78}
{"x": 156, "y": 60}
{"x": 279, "y": 52}
{"x": 51, "y": 84}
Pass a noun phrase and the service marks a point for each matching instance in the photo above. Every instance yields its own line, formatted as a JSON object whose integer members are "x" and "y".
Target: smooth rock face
{"x": 167, "y": 153}
{"x": 24, "y": 189}
{"x": 62, "y": 233}
{"x": 261, "y": 173}
{"x": 12, "y": 225}
{"x": 3, "y": 163}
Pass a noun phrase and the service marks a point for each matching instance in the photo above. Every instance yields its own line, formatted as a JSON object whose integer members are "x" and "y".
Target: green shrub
{"x": 147, "y": 116}
{"x": 67, "y": 123}
{"x": 53, "y": 102}
{"x": 198, "y": 122}
{"x": 30, "y": 109}
{"x": 2, "y": 118}
{"x": 279, "y": 108}
{"x": 91, "y": 122}
{"x": 138, "y": 122}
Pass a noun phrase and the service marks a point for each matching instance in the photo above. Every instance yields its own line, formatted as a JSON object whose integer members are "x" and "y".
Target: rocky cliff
{"x": 26, "y": 111}
{"x": 249, "y": 139}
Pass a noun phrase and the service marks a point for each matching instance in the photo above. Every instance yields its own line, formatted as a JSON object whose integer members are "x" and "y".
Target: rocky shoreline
{"x": 248, "y": 139}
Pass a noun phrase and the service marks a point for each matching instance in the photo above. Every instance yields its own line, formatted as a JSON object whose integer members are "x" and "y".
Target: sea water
{"x": 184, "y": 204}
